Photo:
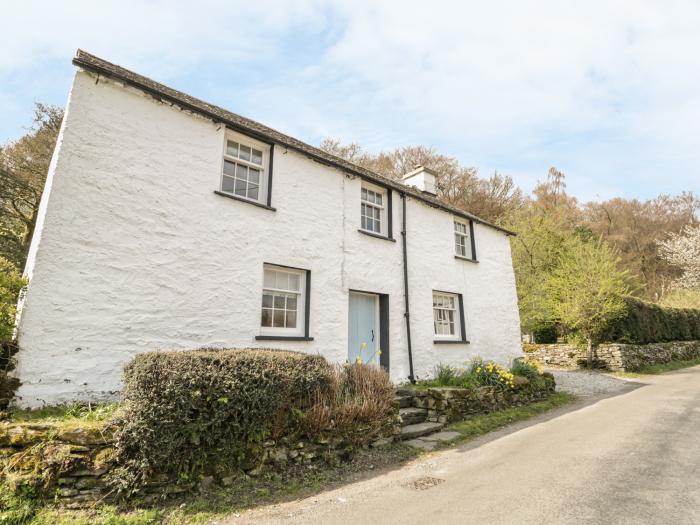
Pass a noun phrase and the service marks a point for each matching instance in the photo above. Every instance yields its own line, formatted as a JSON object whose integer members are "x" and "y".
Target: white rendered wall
{"x": 137, "y": 253}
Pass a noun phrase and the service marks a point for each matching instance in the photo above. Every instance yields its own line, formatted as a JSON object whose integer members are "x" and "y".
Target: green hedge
{"x": 205, "y": 411}
{"x": 650, "y": 323}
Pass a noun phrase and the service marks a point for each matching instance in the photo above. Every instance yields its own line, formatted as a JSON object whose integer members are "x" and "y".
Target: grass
{"x": 75, "y": 413}
{"x": 660, "y": 368}
{"x": 478, "y": 425}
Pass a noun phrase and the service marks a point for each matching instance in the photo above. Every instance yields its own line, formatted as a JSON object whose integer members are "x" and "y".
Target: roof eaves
{"x": 93, "y": 63}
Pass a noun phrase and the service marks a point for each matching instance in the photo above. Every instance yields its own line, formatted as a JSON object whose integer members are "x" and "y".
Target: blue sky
{"x": 606, "y": 91}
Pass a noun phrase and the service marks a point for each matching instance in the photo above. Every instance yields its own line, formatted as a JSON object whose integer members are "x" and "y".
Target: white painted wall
{"x": 137, "y": 253}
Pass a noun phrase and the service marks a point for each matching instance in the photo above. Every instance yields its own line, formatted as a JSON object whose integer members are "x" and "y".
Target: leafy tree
{"x": 492, "y": 198}
{"x": 683, "y": 251}
{"x": 11, "y": 283}
{"x": 23, "y": 168}
{"x": 585, "y": 289}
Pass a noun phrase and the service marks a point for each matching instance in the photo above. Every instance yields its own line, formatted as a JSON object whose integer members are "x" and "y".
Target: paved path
{"x": 633, "y": 458}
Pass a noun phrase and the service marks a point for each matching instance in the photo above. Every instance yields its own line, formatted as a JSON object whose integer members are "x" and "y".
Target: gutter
{"x": 407, "y": 314}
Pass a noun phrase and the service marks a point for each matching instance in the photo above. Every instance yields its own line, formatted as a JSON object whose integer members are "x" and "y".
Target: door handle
{"x": 372, "y": 335}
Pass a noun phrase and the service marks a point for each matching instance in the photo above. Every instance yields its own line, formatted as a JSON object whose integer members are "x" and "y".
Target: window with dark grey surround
{"x": 375, "y": 211}
{"x": 448, "y": 318}
{"x": 246, "y": 169}
{"x": 465, "y": 247}
{"x": 285, "y": 303}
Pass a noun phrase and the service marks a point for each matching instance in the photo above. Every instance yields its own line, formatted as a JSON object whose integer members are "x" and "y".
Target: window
{"x": 284, "y": 301}
{"x": 372, "y": 211}
{"x": 463, "y": 239}
{"x": 244, "y": 169}
{"x": 448, "y": 317}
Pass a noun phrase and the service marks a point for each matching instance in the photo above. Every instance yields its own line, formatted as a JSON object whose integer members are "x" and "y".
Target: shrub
{"x": 488, "y": 373}
{"x": 209, "y": 411}
{"x": 644, "y": 323}
{"x": 526, "y": 368}
{"x": 11, "y": 282}
{"x": 357, "y": 407}
{"x": 545, "y": 333}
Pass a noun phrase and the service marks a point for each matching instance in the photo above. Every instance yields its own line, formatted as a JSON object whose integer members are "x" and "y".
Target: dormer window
{"x": 245, "y": 168}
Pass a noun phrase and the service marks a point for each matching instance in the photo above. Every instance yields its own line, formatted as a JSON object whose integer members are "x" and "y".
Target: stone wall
{"x": 71, "y": 464}
{"x": 614, "y": 356}
{"x": 447, "y": 404}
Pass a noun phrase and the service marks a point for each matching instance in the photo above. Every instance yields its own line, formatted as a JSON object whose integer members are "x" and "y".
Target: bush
{"x": 545, "y": 333}
{"x": 11, "y": 282}
{"x": 488, "y": 373}
{"x": 189, "y": 413}
{"x": 358, "y": 406}
{"x": 529, "y": 369}
{"x": 645, "y": 323}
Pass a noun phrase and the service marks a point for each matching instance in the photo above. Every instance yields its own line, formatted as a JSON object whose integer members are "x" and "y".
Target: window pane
{"x": 257, "y": 157}
{"x": 363, "y": 225}
{"x": 282, "y": 281}
{"x": 291, "y": 302}
{"x": 229, "y": 168}
{"x": 278, "y": 318}
{"x": 279, "y": 302}
{"x": 266, "y": 318}
{"x": 240, "y": 187}
{"x": 267, "y": 300}
{"x": 253, "y": 192}
{"x": 232, "y": 148}
{"x": 244, "y": 153}
{"x": 241, "y": 172}
{"x": 364, "y": 194}
{"x": 227, "y": 184}
{"x": 379, "y": 198}
{"x": 254, "y": 176}
{"x": 269, "y": 278}
{"x": 294, "y": 281}
{"x": 291, "y": 319}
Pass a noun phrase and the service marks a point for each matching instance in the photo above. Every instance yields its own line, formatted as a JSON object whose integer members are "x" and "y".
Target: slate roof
{"x": 255, "y": 129}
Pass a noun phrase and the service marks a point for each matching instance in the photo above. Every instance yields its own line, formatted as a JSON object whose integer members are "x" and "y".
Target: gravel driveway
{"x": 588, "y": 384}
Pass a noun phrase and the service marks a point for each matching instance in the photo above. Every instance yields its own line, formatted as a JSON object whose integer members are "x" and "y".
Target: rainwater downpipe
{"x": 406, "y": 314}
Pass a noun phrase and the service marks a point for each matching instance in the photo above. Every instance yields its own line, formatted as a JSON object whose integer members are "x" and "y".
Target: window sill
{"x": 449, "y": 342}
{"x": 377, "y": 236}
{"x": 283, "y": 338}
{"x": 241, "y": 199}
{"x": 461, "y": 257}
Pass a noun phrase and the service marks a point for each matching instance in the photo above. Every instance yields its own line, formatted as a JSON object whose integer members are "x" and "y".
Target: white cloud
{"x": 607, "y": 91}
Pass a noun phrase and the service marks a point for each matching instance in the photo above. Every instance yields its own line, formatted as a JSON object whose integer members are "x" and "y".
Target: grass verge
{"x": 660, "y": 368}
{"x": 477, "y": 425}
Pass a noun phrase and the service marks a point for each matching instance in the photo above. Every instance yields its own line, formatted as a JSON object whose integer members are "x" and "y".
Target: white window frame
{"x": 457, "y": 316}
{"x": 300, "y": 328}
{"x": 464, "y": 237}
{"x": 243, "y": 140}
{"x": 383, "y": 207}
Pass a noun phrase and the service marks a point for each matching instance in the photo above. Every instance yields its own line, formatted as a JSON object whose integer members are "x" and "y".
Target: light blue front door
{"x": 363, "y": 332}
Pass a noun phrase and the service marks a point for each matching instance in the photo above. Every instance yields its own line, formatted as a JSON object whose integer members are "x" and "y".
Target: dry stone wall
{"x": 447, "y": 404}
{"x": 615, "y": 356}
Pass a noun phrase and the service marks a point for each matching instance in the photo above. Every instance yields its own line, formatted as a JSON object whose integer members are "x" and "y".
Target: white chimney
{"x": 423, "y": 179}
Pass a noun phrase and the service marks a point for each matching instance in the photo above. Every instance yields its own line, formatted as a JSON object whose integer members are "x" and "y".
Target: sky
{"x": 606, "y": 91}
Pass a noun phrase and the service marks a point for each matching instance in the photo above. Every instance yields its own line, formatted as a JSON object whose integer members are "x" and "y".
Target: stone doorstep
{"x": 404, "y": 401}
{"x": 419, "y": 430}
{"x": 413, "y": 415}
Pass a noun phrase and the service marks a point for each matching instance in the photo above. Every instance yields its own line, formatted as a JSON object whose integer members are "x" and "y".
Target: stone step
{"x": 412, "y": 415}
{"x": 404, "y": 401}
{"x": 420, "y": 429}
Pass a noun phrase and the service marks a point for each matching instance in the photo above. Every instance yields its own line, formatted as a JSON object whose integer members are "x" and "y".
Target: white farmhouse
{"x": 169, "y": 223}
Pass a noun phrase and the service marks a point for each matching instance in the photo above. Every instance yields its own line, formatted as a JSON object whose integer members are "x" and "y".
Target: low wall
{"x": 72, "y": 464}
{"x": 614, "y": 356}
{"x": 447, "y": 404}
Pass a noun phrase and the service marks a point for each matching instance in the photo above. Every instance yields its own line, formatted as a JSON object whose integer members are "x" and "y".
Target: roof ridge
{"x": 98, "y": 65}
